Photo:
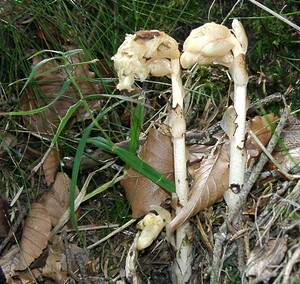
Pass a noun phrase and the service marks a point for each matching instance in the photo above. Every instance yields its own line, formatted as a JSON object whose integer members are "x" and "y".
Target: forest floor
{"x": 58, "y": 89}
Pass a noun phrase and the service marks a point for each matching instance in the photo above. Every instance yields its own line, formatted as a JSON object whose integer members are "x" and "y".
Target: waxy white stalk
{"x": 238, "y": 155}
{"x": 215, "y": 44}
{"x": 184, "y": 255}
{"x": 155, "y": 53}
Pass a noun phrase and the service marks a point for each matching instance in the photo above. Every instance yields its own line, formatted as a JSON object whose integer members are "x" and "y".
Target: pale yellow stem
{"x": 238, "y": 159}
{"x": 182, "y": 265}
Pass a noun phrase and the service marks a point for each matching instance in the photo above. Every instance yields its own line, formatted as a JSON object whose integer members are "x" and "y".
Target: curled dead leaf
{"x": 228, "y": 122}
{"x": 56, "y": 263}
{"x": 211, "y": 179}
{"x": 55, "y": 267}
{"x": 56, "y": 200}
{"x": 141, "y": 193}
{"x": 35, "y": 235}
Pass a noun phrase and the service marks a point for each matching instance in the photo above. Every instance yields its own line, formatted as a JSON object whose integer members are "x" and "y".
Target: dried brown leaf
{"x": 7, "y": 140}
{"x": 10, "y": 261}
{"x": 210, "y": 181}
{"x": 50, "y": 77}
{"x": 197, "y": 152}
{"x": 35, "y": 235}
{"x": 25, "y": 277}
{"x": 260, "y": 126}
{"x": 56, "y": 200}
{"x": 212, "y": 175}
{"x": 51, "y": 166}
{"x": 289, "y": 157}
{"x": 141, "y": 192}
{"x": 263, "y": 259}
{"x": 55, "y": 267}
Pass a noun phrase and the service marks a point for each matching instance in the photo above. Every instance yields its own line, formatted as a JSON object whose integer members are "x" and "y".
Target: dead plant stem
{"x": 182, "y": 265}
{"x": 288, "y": 268}
{"x": 285, "y": 20}
{"x": 68, "y": 257}
{"x": 131, "y": 221}
{"x": 268, "y": 154}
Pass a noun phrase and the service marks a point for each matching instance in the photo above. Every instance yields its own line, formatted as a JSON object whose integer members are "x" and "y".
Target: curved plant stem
{"x": 182, "y": 265}
{"x": 238, "y": 154}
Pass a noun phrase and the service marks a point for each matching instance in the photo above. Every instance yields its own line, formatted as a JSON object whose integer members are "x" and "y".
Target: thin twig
{"x": 285, "y": 20}
{"x": 275, "y": 209}
{"x": 254, "y": 106}
{"x": 204, "y": 236}
{"x": 92, "y": 228}
{"x": 217, "y": 264}
{"x": 263, "y": 158}
{"x": 274, "y": 199}
{"x": 112, "y": 234}
{"x": 289, "y": 266}
{"x": 230, "y": 12}
{"x": 241, "y": 249}
{"x": 14, "y": 228}
{"x": 209, "y": 10}
{"x": 82, "y": 268}
{"x": 268, "y": 154}
{"x": 68, "y": 258}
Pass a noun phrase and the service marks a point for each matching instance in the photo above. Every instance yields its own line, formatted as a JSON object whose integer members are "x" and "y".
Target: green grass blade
{"x": 103, "y": 187}
{"x": 76, "y": 166}
{"x": 136, "y": 125}
{"x": 136, "y": 128}
{"x": 134, "y": 162}
{"x": 64, "y": 121}
{"x": 40, "y": 109}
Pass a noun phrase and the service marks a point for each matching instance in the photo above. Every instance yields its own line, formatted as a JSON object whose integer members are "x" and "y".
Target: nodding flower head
{"x": 146, "y": 53}
{"x": 214, "y": 43}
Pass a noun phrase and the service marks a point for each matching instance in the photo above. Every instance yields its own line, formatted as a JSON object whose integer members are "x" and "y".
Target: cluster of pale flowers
{"x": 214, "y": 43}
{"x": 154, "y": 53}
{"x": 148, "y": 53}
{"x": 144, "y": 54}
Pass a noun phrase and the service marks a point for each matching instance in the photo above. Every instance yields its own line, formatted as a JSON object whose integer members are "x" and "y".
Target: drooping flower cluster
{"x": 153, "y": 53}
{"x": 143, "y": 54}
{"x": 214, "y": 43}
